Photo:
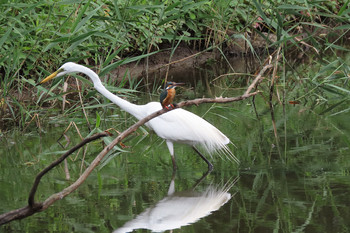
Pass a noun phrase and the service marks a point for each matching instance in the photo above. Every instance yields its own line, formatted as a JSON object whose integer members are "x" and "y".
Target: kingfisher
{"x": 168, "y": 94}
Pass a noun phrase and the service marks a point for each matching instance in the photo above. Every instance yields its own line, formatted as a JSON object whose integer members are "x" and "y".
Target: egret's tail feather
{"x": 218, "y": 144}
{"x": 222, "y": 151}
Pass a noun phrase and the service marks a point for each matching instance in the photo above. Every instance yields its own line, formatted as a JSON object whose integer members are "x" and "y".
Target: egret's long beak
{"x": 48, "y": 78}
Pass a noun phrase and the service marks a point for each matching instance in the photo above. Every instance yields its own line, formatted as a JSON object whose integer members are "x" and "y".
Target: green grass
{"x": 36, "y": 37}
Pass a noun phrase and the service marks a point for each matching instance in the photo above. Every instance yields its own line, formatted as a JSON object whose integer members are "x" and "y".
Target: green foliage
{"x": 36, "y": 37}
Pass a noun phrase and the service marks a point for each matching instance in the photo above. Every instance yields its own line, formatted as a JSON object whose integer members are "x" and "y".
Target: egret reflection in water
{"x": 180, "y": 208}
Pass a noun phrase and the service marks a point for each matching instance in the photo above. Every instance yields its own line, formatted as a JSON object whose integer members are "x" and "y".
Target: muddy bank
{"x": 157, "y": 65}
{"x": 185, "y": 58}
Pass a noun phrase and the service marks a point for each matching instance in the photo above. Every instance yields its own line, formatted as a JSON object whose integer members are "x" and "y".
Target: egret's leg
{"x": 171, "y": 150}
{"x": 210, "y": 166}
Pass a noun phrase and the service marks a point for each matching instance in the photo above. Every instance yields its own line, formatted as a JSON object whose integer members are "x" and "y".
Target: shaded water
{"x": 298, "y": 184}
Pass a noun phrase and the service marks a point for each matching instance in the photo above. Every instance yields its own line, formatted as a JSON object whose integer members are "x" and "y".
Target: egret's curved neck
{"x": 133, "y": 109}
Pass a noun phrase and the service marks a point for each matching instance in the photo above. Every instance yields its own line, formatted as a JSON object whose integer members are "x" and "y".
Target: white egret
{"x": 178, "y": 125}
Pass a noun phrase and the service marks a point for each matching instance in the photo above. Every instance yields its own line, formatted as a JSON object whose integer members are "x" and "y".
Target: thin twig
{"x": 82, "y": 104}
{"x": 66, "y": 169}
{"x": 273, "y": 81}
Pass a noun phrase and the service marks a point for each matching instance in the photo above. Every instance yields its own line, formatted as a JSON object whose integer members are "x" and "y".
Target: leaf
{"x": 95, "y": 106}
{"x": 292, "y": 7}
{"x": 329, "y": 67}
{"x": 192, "y": 16}
{"x": 114, "y": 54}
{"x": 332, "y": 107}
{"x": 68, "y": 2}
{"x": 108, "y": 158}
{"x": 171, "y": 37}
{"x": 78, "y": 40}
{"x": 79, "y": 16}
{"x": 83, "y": 36}
{"x": 174, "y": 17}
{"x": 261, "y": 12}
{"x": 241, "y": 36}
{"x": 172, "y": 6}
{"x": 343, "y": 111}
{"x": 334, "y": 46}
{"x": 338, "y": 88}
{"x": 343, "y": 27}
{"x": 343, "y": 8}
{"x": 4, "y": 37}
{"x": 124, "y": 61}
{"x": 56, "y": 42}
{"x": 84, "y": 20}
{"x": 98, "y": 120}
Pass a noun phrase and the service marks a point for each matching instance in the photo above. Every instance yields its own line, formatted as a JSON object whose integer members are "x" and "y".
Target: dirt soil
{"x": 183, "y": 58}
{"x": 186, "y": 58}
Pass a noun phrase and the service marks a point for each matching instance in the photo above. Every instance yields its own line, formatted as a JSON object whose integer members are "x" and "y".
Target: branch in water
{"x": 33, "y": 207}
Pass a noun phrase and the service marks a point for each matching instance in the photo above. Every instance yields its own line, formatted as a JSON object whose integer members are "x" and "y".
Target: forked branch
{"x": 34, "y": 207}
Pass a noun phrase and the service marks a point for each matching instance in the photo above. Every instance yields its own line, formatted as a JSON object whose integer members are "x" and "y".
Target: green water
{"x": 298, "y": 183}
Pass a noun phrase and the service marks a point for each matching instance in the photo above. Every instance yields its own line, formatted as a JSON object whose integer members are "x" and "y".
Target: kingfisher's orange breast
{"x": 170, "y": 97}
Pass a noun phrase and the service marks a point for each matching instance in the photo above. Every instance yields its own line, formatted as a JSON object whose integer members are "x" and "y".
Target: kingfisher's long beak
{"x": 178, "y": 84}
{"x": 48, "y": 78}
